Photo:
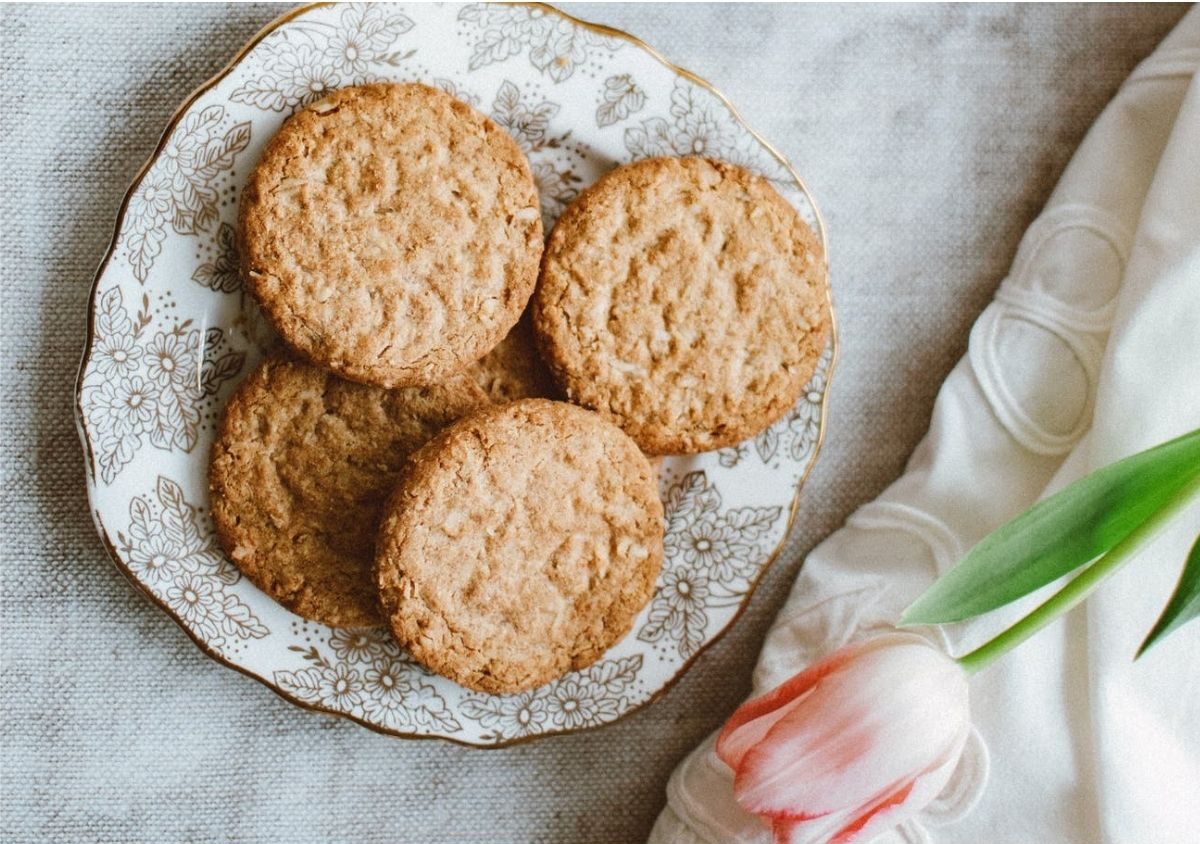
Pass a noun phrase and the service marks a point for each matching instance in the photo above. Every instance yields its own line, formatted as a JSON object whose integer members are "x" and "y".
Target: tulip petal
{"x": 788, "y": 831}
{"x": 734, "y": 744}
{"x": 783, "y": 831}
{"x": 883, "y": 717}
{"x": 879, "y": 813}
{"x": 889, "y": 810}
{"x": 751, "y": 721}
{"x": 904, "y": 802}
{"x": 808, "y": 830}
{"x": 885, "y": 812}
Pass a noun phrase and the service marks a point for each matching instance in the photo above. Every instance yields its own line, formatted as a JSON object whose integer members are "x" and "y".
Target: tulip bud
{"x": 853, "y": 745}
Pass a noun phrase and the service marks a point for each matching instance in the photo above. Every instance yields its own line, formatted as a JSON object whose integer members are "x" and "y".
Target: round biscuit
{"x": 391, "y": 233}
{"x": 685, "y": 300}
{"x": 519, "y": 545}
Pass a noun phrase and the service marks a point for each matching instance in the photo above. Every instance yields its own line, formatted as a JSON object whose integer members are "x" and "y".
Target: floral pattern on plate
{"x": 313, "y": 56}
{"x": 172, "y": 331}
{"x": 148, "y": 386}
{"x": 166, "y": 551}
{"x": 181, "y": 191}
{"x": 711, "y": 554}
{"x": 557, "y": 46}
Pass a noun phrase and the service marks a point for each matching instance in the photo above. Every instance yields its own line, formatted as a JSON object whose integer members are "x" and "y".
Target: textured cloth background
{"x": 931, "y": 137}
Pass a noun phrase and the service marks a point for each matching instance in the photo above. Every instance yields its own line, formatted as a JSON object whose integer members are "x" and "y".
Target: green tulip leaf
{"x": 1060, "y": 534}
{"x": 1184, "y": 604}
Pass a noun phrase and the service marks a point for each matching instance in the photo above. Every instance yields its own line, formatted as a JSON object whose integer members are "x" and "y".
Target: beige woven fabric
{"x": 931, "y": 136}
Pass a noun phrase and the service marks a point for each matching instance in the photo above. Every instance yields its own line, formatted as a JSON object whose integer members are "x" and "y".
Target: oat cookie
{"x": 685, "y": 300}
{"x": 299, "y": 472}
{"x": 391, "y": 233}
{"x": 514, "y": 369}
{"x": 520, "y": 544}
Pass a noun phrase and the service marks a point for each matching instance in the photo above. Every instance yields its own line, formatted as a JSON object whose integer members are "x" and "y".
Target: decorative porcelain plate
{"x": 171, "y": 332}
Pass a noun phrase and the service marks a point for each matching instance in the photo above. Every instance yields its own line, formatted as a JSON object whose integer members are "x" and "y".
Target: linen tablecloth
{"x": 931, "y": 137}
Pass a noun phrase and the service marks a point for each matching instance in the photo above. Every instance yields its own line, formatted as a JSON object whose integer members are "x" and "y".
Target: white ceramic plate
{"x": 171, "y": 332}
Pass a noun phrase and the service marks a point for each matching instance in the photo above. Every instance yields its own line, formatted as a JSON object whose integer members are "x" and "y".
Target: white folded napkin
{"x": 1090, "y": 352}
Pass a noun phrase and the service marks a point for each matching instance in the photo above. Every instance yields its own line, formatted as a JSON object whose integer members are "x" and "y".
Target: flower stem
{"x": 1079, "y": 587}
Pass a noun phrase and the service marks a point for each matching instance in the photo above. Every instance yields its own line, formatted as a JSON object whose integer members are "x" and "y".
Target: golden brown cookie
{"x": 519, "y": 545}
{"x": 685, "y": 300}
{"x": 514, "y": 369}
{"x": 299, "y": 472}
{"x": 391, "y": 233}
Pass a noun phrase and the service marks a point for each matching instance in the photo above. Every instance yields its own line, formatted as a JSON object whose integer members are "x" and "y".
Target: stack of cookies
{"x": 408, "y": 462}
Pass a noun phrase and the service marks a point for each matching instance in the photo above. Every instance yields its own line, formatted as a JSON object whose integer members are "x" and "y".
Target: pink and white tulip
{"x": 853, "y": 745}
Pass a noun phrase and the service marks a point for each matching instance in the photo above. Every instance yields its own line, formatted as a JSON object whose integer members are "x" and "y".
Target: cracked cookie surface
{"x": 391, "y": 233}
{"x": 685, "y": 300}
{"x": 519, "y": 545}
{"x": 299, "y": 473}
